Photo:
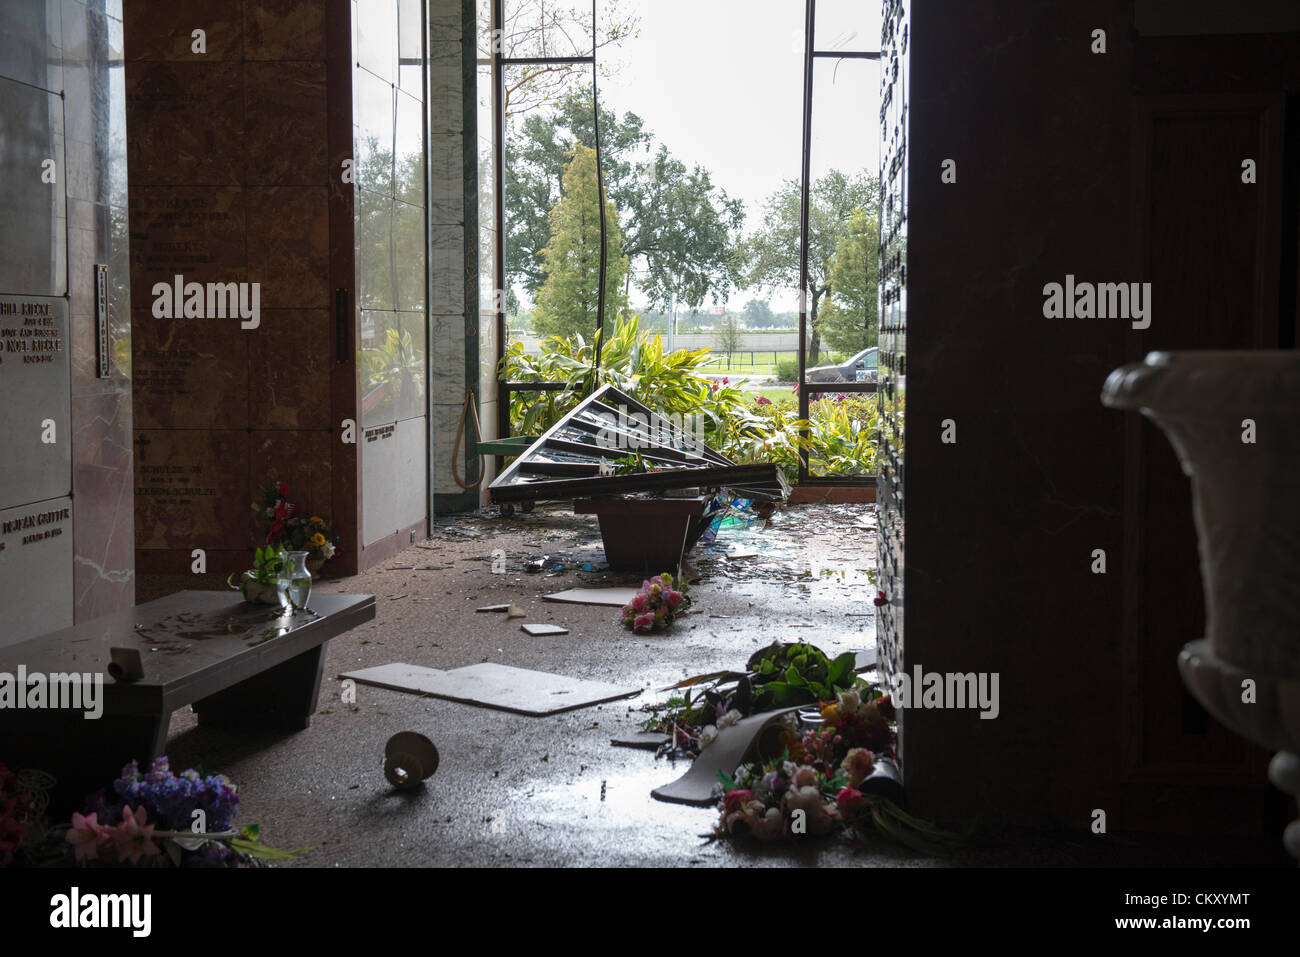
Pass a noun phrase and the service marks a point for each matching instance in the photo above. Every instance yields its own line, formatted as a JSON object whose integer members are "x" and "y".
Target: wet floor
{"x": 551, "y": 790}
{"x": 518, "y": 790}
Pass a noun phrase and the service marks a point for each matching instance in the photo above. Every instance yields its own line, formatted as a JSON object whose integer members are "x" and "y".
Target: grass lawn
{"x": 779, "y": 394}
{"x": 758, "y": 363}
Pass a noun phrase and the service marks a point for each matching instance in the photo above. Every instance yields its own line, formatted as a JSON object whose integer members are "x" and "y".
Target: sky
{"x": 720, "y": 83}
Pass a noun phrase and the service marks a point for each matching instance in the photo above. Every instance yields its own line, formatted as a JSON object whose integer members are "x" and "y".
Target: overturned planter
{"x": 1234, "y": 420}
{"x": 645, "y": 535}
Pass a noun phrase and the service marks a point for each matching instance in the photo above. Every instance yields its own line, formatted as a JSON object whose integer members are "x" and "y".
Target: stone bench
{"x": 239, "y": 665}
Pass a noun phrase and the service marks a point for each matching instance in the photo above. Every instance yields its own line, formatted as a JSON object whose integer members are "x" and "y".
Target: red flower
{"x": 735, "y": 800}
{"x": 881, "y": 599}
{"x": 284, "y": 489}
{"x": 885, "y": 707}
{"x": 849, "y": 801}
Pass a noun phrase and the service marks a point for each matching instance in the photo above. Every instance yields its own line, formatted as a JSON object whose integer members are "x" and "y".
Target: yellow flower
{"x": 316, "y": 520}
{"x": 831, "y": 713}
{"x": 318, "y": 539}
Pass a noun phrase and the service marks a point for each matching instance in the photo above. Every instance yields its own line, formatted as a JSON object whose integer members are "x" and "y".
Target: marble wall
{"x": 65, "y": 537}
{"x": 392, "y": 258}
{"x": 234, "y": 180}
{"x": 454, "y": 263}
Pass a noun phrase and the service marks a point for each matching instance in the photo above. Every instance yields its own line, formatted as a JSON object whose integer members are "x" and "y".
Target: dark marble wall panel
{"x": 289, "y": 365}
{"x": 1001, "y": 525}
{"x": 164, "y": 31}
{"x": 196, "y": 232}
{"x": 187, "y": 123}
{"x": 288, "y": 246}
{"x": 302, "y": 458}
{"x": 190, "y": 373}
{"x": 284, "y": 134}
{"x": 232, "y": 181}
{"x": 284, "y": 30}
{"x": 191, "y": 489}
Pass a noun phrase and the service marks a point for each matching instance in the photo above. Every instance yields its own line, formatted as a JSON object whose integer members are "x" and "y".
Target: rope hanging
{"x": 468, "y": 407}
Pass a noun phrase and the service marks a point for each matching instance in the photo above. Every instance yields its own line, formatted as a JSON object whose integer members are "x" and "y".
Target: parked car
{"x": 861, "y": 368}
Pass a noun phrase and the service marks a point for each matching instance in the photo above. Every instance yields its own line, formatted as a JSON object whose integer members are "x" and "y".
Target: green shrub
{"x": 741, "y": 425}
{"x": 787, "y": 370}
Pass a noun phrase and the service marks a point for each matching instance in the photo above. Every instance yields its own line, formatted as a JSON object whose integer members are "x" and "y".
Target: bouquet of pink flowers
{"x": 654, "y": 606}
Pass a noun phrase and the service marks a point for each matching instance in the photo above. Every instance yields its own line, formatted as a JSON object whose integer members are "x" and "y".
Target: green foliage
{"x": 682, "y": 228}
{"x": 729, "y": 333}
{"x": 739, "y": 424}
{"x": 849, "y": 321}
{"x": 631, "y": 361}
{"x": 249, "y": 843}
{"x": 267, "y": 564}
{"x": 787, "y": 370}
{"x": 758, "y": 315}
{"x": 772, "y": 254}
{"x": 566, "y": 303}
{"x": 795, "y": 673}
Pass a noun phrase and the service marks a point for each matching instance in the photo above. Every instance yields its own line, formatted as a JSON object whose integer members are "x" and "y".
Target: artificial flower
{"x": 857, "y": 764}
{"x": 769, "y": 826}
{"x": 735, "y": 800}
{"x": 849, "y": 802}
{"x": 85, "y": 836}
{"x": 133, "y": 838}
{"x": 809, "y": 800}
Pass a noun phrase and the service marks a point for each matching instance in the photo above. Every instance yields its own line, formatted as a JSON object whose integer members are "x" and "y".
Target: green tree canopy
{"x": 849, "y": 320}
{"x": 772, "y": 254}
{"x": 758, "y": 315}
{"x": 682, "y": 228}
{"x": 566, "y": 302}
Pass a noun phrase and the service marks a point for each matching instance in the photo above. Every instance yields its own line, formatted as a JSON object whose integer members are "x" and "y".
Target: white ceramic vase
{"x": 1234, "y": 420}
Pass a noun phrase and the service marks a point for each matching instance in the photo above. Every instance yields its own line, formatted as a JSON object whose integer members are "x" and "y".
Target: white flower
{"x": 707, "y": 735}
{"x": 788, "y": 769}
{"x": 742, "y": 777}
{"x": 327, "y": 550}
{"x": 728, "y": 719}
{"x": 849, "y": 701}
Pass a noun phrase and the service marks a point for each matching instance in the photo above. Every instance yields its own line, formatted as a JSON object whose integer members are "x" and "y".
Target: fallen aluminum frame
{"x": 559, "y": 466}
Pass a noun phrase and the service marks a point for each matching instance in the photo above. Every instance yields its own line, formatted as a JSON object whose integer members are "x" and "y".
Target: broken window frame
{"x": 811, "y": 56}
{"x": 685, "y": 461}
{"x": 500, "y": 62}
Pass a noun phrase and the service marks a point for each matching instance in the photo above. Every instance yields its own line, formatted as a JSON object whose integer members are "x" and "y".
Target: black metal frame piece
{"x": 811, "y": 55}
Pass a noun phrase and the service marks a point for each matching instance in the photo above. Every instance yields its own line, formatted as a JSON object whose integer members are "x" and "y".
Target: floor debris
{"x": 614, "y": 597}
{"x": 538, "y": 631}
{"x": 727, "y": 751}
{"x": 491, "y": 685}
